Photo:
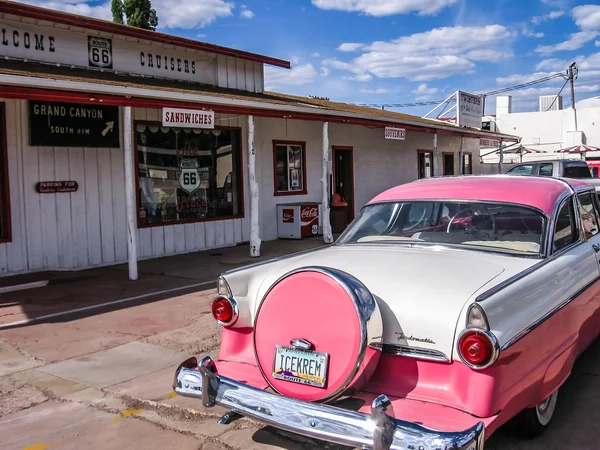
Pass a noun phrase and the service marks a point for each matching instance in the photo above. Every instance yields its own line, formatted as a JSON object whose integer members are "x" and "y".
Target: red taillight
{"x": 224, "y": 311}
{"x": 477, "y": 349}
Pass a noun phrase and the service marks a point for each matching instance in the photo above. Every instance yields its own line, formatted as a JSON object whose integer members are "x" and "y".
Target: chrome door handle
{"x": 596, "y": 247}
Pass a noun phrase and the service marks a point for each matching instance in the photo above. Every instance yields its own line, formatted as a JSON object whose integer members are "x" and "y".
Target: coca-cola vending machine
{"x": 298, "y": 220}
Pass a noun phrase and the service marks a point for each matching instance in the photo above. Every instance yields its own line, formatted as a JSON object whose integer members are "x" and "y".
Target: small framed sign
{"x": 398, "y": 134}
{"x": 53, "y": 187}
{"x": 188, "y": 118}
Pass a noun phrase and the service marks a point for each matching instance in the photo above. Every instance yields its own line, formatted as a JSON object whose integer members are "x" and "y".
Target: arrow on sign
{"x": 109, "y": 127}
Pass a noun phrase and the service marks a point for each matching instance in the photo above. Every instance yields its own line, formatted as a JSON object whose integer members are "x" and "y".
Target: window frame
{"x": 470, "y": 155}
{"x": 594, "y": 197}
{"x": 575, "y": 225}
{"x": 5, "y": 209}
{"x": 184, "y": 221}
{"x": 304, "y": 190}
{"x": 419, "y": 152}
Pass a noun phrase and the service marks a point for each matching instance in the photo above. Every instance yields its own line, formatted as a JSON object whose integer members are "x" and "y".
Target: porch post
{"x": 255, "y": 241}
{"x": 435, "y": 169}
{"x": 327, "y": 233}
{"x": 461, "y": 156}
{"x": 130, "y": 194}
{"x": 501, "y": 160}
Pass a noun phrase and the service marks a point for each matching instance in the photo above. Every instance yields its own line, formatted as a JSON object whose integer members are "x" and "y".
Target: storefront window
{"x": 289, "y": 160}
{"x": 4, "y": 198}
{"x": 425, "y": 164}
{"x": 188, "y": 175}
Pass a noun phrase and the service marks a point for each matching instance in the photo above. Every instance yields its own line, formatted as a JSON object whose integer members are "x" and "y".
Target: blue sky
{"x": 396, "y": 51}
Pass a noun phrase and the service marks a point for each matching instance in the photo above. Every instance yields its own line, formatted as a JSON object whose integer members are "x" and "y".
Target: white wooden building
{"x": 99, "y": 166}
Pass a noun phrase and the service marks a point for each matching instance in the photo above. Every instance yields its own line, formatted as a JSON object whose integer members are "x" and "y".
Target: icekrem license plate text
{"x": 300, "y": 366}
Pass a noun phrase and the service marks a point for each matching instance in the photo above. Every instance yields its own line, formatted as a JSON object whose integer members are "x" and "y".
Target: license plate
{"x": 300, "y": 366}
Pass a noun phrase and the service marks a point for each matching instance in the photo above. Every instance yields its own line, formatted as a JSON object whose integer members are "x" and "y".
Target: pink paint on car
{"x": 449, "y": 307}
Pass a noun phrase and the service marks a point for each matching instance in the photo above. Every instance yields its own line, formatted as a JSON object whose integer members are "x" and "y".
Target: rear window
{"x": 577, "y": 172}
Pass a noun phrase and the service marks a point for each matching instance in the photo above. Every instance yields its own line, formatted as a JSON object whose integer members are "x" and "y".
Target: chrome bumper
{"x": 379, "y": 431}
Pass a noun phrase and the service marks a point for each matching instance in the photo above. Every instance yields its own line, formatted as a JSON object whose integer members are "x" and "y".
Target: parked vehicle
{"x": 567, "y": 168}
{"x": 448, "y": 307}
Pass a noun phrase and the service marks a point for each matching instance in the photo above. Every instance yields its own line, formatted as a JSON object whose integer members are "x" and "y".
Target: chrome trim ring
{"x": 492, "y": 339}
{"x": 235, "y": 307}
{"x": 363, "y": 301}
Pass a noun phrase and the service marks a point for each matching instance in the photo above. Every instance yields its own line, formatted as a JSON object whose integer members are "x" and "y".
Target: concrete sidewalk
{"x": 102, "y": 378}
{"x": 158, "y": 279}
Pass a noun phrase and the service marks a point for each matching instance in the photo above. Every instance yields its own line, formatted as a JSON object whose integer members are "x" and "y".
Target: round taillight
{"x": 224, "y": 310}
{"x": 477, "y": 348}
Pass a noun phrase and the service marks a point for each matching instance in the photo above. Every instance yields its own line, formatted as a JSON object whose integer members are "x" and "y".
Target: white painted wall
{"x": 379, "y": 164}
{"x": 87, "y": 228}
{"x": 70, "y": 48}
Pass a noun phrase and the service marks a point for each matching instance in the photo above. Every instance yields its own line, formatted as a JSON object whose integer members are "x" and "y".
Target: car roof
{"x": 538, "y": 192}
{"x": 546, "y": 161}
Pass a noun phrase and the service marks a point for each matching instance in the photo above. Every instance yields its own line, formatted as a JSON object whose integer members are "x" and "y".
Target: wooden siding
{"x": 87, "y": 228}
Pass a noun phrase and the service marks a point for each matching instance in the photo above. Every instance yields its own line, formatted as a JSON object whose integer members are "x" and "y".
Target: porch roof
{"x": 49, "y": 82}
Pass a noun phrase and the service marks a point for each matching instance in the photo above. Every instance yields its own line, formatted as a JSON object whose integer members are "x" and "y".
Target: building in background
{"x": 121, "y": 144}
{"x": 545, "y": 132}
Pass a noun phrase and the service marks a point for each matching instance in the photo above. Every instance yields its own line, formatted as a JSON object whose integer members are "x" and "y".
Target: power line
{"x": 485, "y": 94}
{"x": 558, "y": 95}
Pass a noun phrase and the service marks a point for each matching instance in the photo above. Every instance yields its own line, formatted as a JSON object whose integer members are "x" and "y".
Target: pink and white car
{"x": 448, "y": 307}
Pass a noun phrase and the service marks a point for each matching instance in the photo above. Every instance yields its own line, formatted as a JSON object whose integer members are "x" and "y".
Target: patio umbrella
{"x": 579, "y": 149}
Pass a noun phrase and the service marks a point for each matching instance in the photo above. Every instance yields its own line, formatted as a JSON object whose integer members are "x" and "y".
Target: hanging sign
{"x": 188, "y": 118}
{"x": 489, "y": 143}
{"x": 53, "y": 187}
{"x": 53, "y": 124}
{"x": 398, "y": 134}
{"x": 470, "y": 110}
{"x": 52, "y": 44}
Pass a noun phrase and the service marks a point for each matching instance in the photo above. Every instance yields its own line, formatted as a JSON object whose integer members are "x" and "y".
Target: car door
{"x": 589, "y": 209}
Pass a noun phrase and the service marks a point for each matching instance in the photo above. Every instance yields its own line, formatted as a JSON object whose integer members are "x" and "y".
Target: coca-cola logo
{"x": 310, "y": 213}
{"x": 288, "y": 215}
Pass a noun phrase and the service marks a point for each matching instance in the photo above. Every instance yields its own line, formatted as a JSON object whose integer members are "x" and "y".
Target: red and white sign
{"x": 188, "y": 118}
{"x": 288, "y": 215}
{"x": 309, "y": 220}
{"x": 489, "y": 143}
{"x": 398, "y": 134}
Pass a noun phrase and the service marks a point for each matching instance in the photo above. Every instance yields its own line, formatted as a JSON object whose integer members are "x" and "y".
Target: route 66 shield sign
{"x": 100, "y": 52}
{"x": 189, "y": 177}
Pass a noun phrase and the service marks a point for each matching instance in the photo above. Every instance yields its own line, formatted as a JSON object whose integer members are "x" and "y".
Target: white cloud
{"x": 554, "y": 64}
{"x": 294, "y": 59}
{"x": 587, "y": 17}
{"x": 488, "y": 55}
{"x": 171, "y": 13}
{"x": 422, "y": 89}
{"x": 374, "y": 91}
{"x": 350, "y": 46}
{"x": 423, "y": 92}
{"x": 380, "y": 8}
{"x": 316, "y": 55}
{"x": 363, "y": 78}
{"x": 434, "y": 54}
{"x": 518, "y": 78}
{"x": 536, "y": 20}
{"x": 276, "y": 78}
{"x": 528, "y": 33}
{"x": 246, "y": 14}
{"x": 597, "y": 43}
{"x": 82, "y": 8}
{"x": 575, "y": 41}
{"x": 324, "y": 71}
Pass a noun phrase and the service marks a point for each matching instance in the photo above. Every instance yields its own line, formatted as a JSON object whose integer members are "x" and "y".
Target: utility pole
{"x": 573, "y": 71}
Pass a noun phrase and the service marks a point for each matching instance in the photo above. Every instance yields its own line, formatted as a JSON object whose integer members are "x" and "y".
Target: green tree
{"x": 138, "y": 13}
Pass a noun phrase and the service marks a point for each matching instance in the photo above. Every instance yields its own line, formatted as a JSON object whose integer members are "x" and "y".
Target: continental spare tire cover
{"x": 313, "y": 332}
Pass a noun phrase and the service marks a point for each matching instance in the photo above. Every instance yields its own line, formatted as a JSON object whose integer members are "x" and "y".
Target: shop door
{"x": 342, "y": 205}
{"x": 448, "y": 164}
